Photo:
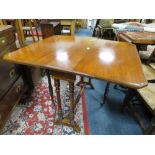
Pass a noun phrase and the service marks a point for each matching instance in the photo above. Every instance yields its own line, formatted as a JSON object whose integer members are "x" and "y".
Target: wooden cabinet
{"x": 11, "y": 83}
{"x": 49, "y": 28}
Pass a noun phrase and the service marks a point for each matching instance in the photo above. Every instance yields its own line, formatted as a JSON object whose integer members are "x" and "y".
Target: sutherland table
{"x": 67, "y": 56}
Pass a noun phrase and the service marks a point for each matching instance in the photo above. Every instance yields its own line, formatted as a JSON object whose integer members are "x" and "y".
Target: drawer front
{"x": 8, "y": 103}
{"x": 7, "y": 38}
{"x": 8, "y": 74}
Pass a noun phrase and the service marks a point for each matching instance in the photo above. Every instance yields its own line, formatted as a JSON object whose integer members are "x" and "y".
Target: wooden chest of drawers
{"x": 11, "y": 83}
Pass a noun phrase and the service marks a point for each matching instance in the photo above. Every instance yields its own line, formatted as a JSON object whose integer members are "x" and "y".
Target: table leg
{"x": 138, "y": 47}
{"x": 50, "y": 85}
{"x": 106, "y": 93}
{"x": 25, "y": 72}
{"x": 71, "y": 93}
{"x": 68, "y": 120}
{"x": 57, "y": 86}
{"x": 90, "y": 83}
{"x": 127, "y": 99}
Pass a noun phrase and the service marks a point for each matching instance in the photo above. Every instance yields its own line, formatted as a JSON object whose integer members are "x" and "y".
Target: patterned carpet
{"x": 38, "y": 116}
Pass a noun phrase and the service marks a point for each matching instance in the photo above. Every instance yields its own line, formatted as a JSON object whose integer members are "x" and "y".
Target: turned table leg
{"x": 71, "y": 93}
{"x": 57, "y": 86}
{"x": 90, "y": 83}
{"x": 106, "y": 93}
{"x": 69, "y": 119}
{"x": 50, "y": 85}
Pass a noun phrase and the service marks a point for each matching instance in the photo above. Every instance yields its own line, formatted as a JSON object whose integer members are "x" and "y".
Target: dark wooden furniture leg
{"x": 82, "y": 82}
{"x": 37, "y": 34}
{"x": 57, "y": 86}
{"x": 151, "y": 129}
{"x": 90, "y": 83}
{"x": 27, "y": 76}
{"x": 127, "y": 103}
{"x": 28, "y": 81}
{"x": 106, "y": 93}
{"x": 50, "y": 85}
{"x": 138, "y": 47}
{"x": 71, "y": 93}
{"x": 127, "y": 99}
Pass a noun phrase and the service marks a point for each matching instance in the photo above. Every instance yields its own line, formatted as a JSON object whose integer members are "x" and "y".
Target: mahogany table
{"x": 67, "y": 56}
{"x": 138, "y": 38}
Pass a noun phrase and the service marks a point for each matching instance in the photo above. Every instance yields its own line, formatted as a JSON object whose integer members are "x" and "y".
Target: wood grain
{"x": 113, "y": 61}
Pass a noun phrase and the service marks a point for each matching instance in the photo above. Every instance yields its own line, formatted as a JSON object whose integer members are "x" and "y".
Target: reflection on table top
{"x": 102, "y": 59}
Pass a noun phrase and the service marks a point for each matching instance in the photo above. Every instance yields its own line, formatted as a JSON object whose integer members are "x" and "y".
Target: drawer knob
{"x": 18, "y": 88}
{"x": 12, "y": 73}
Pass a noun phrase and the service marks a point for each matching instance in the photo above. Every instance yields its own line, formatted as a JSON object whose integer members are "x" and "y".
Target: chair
{"x": 30, "y": 25}
{"x": 149, "y": 72}
{"x": 147, "y": 55}
{"x": 103, "y": 29}
{"x": 147, "y": 95}
{"x": 152, "y": 65}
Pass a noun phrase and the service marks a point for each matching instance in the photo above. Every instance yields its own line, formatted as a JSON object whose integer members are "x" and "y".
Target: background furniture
{"x": 103, "y": 29}
{"x": 1, "y": 22}
{"x": 29, "y": 26}
{"x": 11, "y": 83}
{"x": 20, "y": 33}
{"x": 49, "y": 28}
{"x": 70, "y": 23}
{"x": 148, "y": 54}
{"x": 138, "y": 38}
{"x": 81, "y": 23}
{"x": 146, "y": 96}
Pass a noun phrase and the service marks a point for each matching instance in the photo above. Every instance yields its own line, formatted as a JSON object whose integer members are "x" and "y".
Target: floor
{"x": 107, "y": 119}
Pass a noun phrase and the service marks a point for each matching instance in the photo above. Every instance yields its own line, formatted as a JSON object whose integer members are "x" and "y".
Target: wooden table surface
{"x": 113, "y": 61}
{"x": 139, "y": 37}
